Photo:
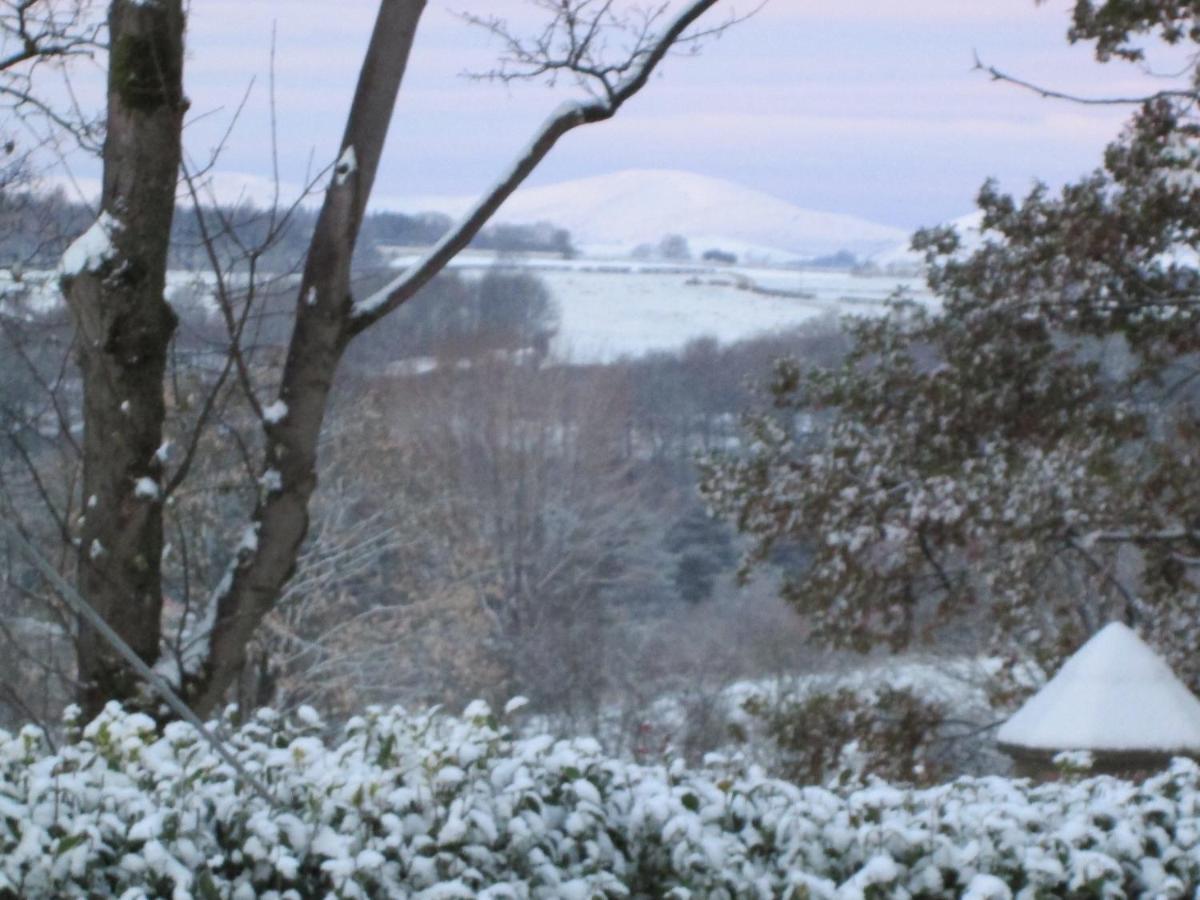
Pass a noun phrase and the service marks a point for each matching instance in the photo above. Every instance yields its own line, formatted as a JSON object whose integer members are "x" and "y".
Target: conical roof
{"x": 1114, "y": 694}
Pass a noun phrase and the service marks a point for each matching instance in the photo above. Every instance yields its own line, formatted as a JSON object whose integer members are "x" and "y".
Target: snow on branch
{"x": 576, "y": 40}
{"x": 91, "y": 250}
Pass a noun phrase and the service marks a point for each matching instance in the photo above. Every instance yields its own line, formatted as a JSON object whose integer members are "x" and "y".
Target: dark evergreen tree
{"x": 703, "y": 550}
{"x": 1021, "y": 457}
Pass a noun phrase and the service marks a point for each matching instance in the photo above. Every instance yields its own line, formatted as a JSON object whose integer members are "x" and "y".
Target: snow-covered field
{"x": 614, "y": 308}
{"x": 611, "y": 308}
{"x": 605, "y": 316}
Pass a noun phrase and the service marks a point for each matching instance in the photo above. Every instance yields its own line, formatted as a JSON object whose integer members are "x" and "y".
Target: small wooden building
{"x": 1115, "y": 698}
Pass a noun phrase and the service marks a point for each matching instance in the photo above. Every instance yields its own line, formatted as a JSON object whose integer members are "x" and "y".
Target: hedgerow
{"x": 433, "y": 806}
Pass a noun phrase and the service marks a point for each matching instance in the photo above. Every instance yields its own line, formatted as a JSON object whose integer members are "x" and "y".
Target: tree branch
{"x": 1050, "y": 94}
{"x": 568, "y": 116}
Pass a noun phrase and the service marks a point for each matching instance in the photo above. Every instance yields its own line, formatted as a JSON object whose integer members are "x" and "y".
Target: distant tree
{"x": 843, "y": 259}
{"x": 542, "y": 237}
{"x": 529, "y": 462}
{"x": 420, "y": 230}
{"x": 1020, "y": 459}
{"x": 703, "y": 551}
{"x": 722, "y": 257}
{"x": 457, "y": 317}
{"x": 516, "y": 306}
{"x": 674, "y": 247}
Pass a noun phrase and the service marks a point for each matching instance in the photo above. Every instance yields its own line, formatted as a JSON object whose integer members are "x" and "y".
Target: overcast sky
{"x": 867, "y": 107}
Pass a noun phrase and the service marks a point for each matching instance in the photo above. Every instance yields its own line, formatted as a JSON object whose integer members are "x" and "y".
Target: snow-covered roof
{"x": 1114, "y": 694}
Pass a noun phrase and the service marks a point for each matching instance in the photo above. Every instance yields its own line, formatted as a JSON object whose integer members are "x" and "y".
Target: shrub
{"x": 890, "y": 732}
{"x": 435, "y": 806}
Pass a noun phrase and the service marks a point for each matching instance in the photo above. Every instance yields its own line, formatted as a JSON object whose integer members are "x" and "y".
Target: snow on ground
{"x": 613, "y": 308}
{"x": 1115, "y": 693}
{"x": 610, "y": 309}
{"x": 608, "y": 315}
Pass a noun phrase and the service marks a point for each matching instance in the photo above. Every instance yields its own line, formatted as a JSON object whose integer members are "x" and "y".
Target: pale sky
{"x": 866, "y": 107}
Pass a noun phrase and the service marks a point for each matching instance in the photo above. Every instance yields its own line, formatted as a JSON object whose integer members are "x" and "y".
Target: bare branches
{"x": 1106, "y": 574}
{"x": 42, "y": 31}
{"x": 586, "y": 40}
{"x": 595, "y": 43}
{"x": 35, "y": 34}
{"x": 584, "y": 26}
{"x": 1191, "y": 94}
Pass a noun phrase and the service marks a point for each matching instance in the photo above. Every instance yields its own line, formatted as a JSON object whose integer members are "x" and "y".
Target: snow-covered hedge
{"x": 435, "y": 806}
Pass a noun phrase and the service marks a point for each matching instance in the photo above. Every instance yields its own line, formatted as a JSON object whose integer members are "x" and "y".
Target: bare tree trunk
{"x": 114, "y": 279}
{"x": 327, "y": 317}
{"x": 322, "y": 332}
{"x": 115, "y": 274}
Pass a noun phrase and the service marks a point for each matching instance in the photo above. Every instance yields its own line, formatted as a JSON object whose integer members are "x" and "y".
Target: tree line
{"x": 37, "y": 226}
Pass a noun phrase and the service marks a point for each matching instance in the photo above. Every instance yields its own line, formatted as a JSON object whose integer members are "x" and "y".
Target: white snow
{"x": 146, "y": 489}
{"x": 402, "y": 804}
{"x": 1114, "y": 694}
{"x": 92, "y": 249}
{"x": 610, "y": 309}
{"x": 275, "y": 413}
{"x": 196, "y": 632}
{"x": 515, "y": 704}
{"x": 643, "y": 205}
{"x": 346, "y": 166}
{"x": 608, "y": 314}
{"x": 249, "y": 541}
{"x": 987, "y": 887}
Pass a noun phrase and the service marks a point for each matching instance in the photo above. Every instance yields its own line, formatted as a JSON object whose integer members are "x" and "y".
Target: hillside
{"x": 614, "y": 213}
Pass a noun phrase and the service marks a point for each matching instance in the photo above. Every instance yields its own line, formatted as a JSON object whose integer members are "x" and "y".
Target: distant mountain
{"x": 617, "y": 212}
{"x": 612, "y": 214}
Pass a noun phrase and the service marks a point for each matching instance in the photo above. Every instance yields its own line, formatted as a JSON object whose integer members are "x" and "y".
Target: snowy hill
{"x": 616, "y": 212}
{"x": 609, "y": 215}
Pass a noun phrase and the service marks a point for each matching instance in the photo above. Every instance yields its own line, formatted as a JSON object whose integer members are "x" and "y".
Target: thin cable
{"x": 76, "y": 601}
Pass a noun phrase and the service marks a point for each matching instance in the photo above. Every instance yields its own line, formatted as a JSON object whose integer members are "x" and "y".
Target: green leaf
{"x": 69, "y": 843}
